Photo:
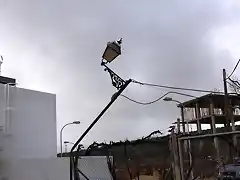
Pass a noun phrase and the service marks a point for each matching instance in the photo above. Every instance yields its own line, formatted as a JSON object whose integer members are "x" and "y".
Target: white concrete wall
{"x": 35, "y": 169}
{"x": 29, "y": 124}
{"x": 95, "y": 168}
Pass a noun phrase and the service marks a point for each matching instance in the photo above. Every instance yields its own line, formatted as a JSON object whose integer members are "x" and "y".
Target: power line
{"x": 142, "y": 103}
{"x": 173, "y": 87}
{"x": 236, "y": 83}
{"x": 234, "y": 69}
{"x": 231, "y": 85}
{"x": 154, "y": 101}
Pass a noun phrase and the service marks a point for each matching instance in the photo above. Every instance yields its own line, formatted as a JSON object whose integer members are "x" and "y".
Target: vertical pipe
{"x": 197, "y": 108}
{"x": 181, "y": 159}
{"x": 65, "y": 147}
{"x": 226, "y": 100}
{"x": 178, "y": 126}
{"x": 61, "y": 142}
{"x": 234, "y": 129}
{"x": 213, "y": 125}
{"x": 226, "y": 109}
{"x": 7, "y": 109}
{"x": 234, "y": 138}
{"x": 199, "y": 128}
{"x": 183, "y": 120}
{"x": 174, "y": 150}
{"x": 188, "y": 141}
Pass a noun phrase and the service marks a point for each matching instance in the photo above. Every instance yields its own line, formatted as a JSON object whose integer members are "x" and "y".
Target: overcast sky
{"x": 56, "y": 46}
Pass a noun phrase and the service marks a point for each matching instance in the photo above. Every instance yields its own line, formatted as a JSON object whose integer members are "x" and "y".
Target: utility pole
{"x": 226, "y": 108}
{"x": 226, "y": 101}
{"x": 175, "y": 157}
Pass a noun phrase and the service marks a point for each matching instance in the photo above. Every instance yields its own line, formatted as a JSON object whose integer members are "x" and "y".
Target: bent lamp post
{"x": 61, "y": 131}
{"x": 112, "y": 51}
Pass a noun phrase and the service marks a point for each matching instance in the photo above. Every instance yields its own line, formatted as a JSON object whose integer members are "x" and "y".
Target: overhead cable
{"x": 236, "y": 83}
{"x": 154, "y": 101}
{"x": 234, "y": 69}
{"x": 173, "y": 87}
{"x": 232, "y": 86}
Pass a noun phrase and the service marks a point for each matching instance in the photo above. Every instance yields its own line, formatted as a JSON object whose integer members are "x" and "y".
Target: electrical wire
{"x": 232, "y": 86}
{"x": 234, "y": 69}
{"x": 154, "y": 101}
{"x": 173, "y": 87}
{"x": 236, "y": 83}
{"x": 143, "y": 103}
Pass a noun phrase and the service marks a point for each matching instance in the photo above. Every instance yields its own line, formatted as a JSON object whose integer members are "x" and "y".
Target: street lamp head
{"x": 76, "y": 122}
{"x": 112, "y": 50}
{"x": 167, "y": 99}
{"x": 119, "y": 41}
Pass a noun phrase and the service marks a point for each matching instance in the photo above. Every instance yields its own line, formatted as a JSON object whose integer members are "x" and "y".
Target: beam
{"x": 209, "y": 135}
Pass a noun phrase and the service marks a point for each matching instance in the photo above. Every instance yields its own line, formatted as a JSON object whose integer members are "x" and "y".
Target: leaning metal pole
{"x": 121, "y": 85}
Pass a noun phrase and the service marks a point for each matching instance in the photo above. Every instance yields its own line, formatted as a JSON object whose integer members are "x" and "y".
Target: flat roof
{"x": 7, "y": 80}
{"x": 219, "y": 119}
{"x": 218, "y": 100}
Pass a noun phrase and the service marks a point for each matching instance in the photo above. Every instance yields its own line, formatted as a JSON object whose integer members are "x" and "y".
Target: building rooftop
{"x": 219, "y": 119}
{"x": 7, "y": 80}
{"x": 218, "y": 100}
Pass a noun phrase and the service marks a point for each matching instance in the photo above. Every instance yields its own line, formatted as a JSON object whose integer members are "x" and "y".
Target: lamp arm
{"x": 117, "y": 81}
{"x": 65, "y": 126}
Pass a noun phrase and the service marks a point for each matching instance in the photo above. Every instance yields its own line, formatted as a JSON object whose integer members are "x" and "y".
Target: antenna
{"x": 1, "y": 61}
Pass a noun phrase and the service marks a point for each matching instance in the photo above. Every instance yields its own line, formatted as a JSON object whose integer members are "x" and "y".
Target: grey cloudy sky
{"x": 56, "y": 46}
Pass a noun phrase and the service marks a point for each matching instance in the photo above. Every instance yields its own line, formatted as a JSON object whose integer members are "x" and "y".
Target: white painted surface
{"x": 94, "y": 167}
{"x": 35, "y": 169}
{"x": 29, "y": 122}
{"x": 28, "y": 139}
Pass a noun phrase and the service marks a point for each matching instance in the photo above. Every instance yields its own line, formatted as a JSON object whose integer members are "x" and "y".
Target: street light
{"x": 188, "y": 142}
{"x": 74, "y": 122}
{"x": 112, "y": 51}
{"x": 167, "y": 99}
{"x": 182, "y": 112}
{"x": 67, "y": 142}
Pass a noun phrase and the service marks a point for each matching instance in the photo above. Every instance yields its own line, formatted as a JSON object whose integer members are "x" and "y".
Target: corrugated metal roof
{"x": 95, "y": 167}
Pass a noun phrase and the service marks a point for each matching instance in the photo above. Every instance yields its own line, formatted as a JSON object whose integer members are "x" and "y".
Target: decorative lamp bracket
{"x": 117, "y": 81}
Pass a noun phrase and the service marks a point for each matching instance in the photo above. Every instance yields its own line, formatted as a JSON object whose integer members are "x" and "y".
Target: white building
{"x": 28, "y": 139}
{"x": 28, "y": 123}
